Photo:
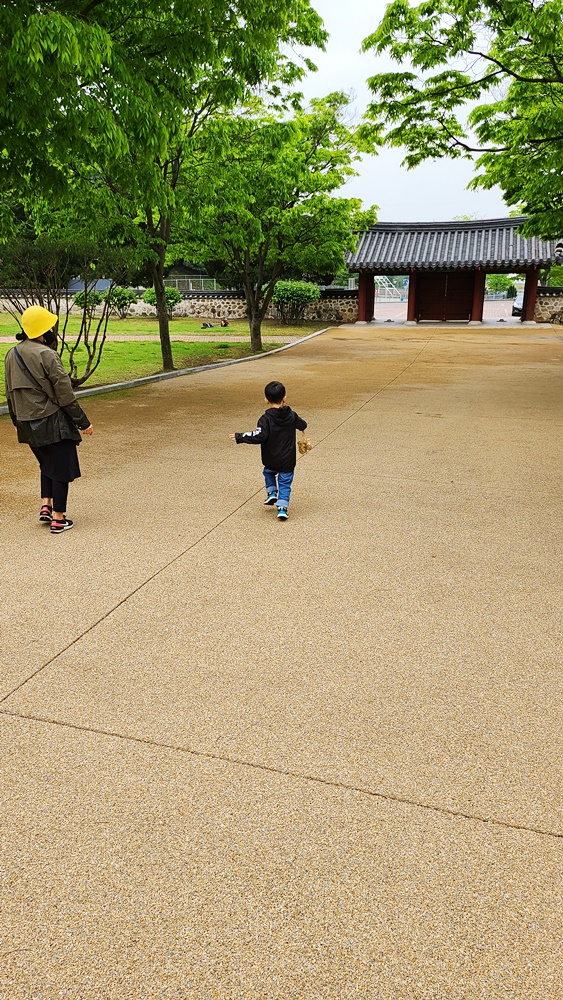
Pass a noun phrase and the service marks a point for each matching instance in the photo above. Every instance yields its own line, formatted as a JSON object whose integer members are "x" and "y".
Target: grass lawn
{"x": 123, "y": 361}
{"x": 138, "y": 326}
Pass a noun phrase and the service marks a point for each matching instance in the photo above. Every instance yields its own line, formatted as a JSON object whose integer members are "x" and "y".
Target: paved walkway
{"x": 320, "y": 759}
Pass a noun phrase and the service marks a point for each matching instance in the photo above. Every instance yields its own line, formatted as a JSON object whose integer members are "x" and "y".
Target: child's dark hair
{"x": 274, "y": 392}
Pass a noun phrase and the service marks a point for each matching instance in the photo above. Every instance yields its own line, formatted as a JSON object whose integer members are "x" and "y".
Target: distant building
{"x": 77, "y": 285}
{"x": 446, "y": 263}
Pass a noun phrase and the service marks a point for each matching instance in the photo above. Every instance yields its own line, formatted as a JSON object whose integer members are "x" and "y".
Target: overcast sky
{"x": 434, "y": 191}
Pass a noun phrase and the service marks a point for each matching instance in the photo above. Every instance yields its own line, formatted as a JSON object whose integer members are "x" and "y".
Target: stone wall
{"x": 202, "y": 305}
{"x": 549, "y": 305}
{"x": 334, "y": 306}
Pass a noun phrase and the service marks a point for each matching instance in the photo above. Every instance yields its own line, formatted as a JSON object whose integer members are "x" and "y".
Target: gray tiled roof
{"x": 397, "y": 246}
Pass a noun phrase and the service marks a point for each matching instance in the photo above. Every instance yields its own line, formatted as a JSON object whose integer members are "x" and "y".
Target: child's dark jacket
{"x": 276, "y": 435}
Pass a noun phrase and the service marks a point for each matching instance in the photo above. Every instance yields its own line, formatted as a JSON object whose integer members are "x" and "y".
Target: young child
{"x": 276, "y": 435}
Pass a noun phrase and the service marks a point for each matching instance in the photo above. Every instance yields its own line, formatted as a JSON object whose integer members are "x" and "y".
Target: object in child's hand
{"x": 304, "y": 445}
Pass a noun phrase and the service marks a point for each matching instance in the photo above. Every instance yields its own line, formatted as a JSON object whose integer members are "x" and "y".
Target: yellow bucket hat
{"x": 36, "y": 321}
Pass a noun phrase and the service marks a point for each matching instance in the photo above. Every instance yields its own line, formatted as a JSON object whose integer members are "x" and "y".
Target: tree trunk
{"x": 257, "y": 302}
{"x": 256, "y": 330}
{"x": 157, "y": 273}
{"x": 254, "y": 310}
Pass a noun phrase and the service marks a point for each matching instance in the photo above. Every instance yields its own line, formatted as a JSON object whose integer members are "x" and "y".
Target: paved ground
{"x": 320, "y": 759}
{"x": 494, "y": 310}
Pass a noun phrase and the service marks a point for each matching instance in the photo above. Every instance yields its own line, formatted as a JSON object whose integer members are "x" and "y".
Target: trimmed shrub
{"x": 172, "y": 298}
{"x": 88, "y": 303}
{"x": 291, "y": 298}
{"x": 119, "y": 300}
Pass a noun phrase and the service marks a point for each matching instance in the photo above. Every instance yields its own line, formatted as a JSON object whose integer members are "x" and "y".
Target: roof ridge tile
{"x": 492, "y": 243}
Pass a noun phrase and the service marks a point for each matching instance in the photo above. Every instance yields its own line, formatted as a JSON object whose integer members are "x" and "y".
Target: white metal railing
{"x": 384, "y": 288}
{"x": 194, "y": 283}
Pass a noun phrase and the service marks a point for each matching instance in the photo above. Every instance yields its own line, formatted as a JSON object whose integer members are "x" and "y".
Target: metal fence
{"x": 193, "y": 283}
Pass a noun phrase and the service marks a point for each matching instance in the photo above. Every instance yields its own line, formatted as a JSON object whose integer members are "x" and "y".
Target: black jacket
{"x": 276, "y": 435}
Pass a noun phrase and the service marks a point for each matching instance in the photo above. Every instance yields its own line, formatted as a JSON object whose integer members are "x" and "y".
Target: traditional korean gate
{"x": 444, "y": 295}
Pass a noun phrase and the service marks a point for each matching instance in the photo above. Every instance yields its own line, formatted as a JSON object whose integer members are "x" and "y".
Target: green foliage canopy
{"x": 104, "y": 98}
{"x": 265, "y": 200}
{"x": 499, "y": 282}
{"x": 92, "y": 84}
{"x": 556, "y": 276}
{"x": 478, "y": 77}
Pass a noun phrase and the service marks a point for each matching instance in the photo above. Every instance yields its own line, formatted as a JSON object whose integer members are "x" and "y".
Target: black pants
{"x": 59, "y": 467}
{"x": 58, "y": 491}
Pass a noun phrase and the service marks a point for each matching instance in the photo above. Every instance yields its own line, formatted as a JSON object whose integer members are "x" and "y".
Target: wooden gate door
{"x": 444, "y": 295}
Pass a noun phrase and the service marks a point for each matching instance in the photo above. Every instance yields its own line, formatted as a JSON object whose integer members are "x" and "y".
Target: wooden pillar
{"x": 366, "y": 296}
{"x": 411, "y": 304}
{"x": 370, "y": 299}
{"x": 530, "y": 294}
{"x": 478, "y": 297}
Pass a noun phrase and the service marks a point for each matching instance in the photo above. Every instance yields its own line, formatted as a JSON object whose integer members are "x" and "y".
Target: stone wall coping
{"x": 326, "y": 293}
{"x": 233, "y": 293}
{"x": 220, "y": 293}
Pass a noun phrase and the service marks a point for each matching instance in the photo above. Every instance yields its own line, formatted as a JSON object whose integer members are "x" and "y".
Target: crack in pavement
{"x": 124, "y": 599}
{"x": 286, "y": 773}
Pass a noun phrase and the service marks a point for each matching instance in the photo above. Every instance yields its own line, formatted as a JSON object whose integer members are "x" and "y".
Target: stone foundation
{"x": 549, "y": 305}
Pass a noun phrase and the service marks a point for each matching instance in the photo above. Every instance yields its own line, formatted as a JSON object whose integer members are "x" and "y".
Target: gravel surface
{"x": 321, "y": 759}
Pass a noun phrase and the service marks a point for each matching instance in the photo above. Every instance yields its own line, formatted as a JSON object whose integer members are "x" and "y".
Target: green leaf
{"x": 497, "y": 95}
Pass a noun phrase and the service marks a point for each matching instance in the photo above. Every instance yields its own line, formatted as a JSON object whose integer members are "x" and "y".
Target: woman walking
{"x": 45, "y": 412}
